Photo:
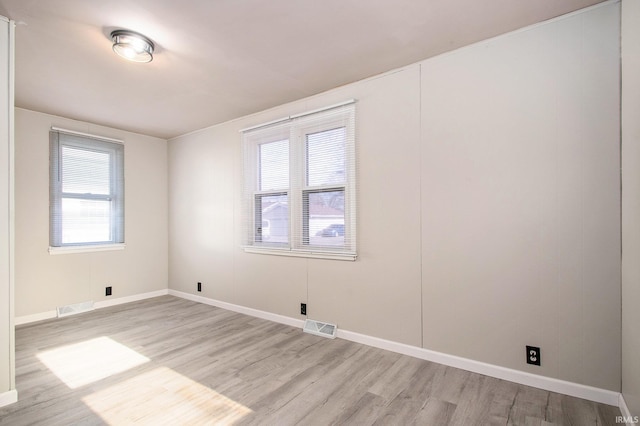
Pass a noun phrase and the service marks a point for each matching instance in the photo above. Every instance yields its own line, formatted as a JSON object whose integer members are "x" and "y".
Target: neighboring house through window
{"x": 86, "y": 191}
{"x": 300, "y": 185}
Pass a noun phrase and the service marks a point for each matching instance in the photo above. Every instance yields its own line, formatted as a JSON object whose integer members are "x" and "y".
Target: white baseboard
{"x": 26, "y": 319}
{"x": 240, "y": 309}
{"x": 541, "y": 382}
{"x": 128, "y": 299}
{"x": 8, "y": 397}
{"x": 547, "y": 383}
{"x": 626, "y": 414}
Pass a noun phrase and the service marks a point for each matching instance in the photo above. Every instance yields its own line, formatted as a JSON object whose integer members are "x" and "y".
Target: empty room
{"x": 320, "y": 212}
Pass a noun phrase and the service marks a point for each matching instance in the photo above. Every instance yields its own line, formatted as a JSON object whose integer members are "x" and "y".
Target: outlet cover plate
{"x": 533, "y": 355}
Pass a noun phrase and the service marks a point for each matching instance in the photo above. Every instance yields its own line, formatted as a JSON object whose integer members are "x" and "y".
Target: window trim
{"x": 306, "y": 253}
{"x": 86, "y": 248}
{"x": 297, "y": 127}
{"x": 60, "y": 138}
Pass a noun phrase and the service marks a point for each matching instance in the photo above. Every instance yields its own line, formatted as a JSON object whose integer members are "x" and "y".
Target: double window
{"x": 86, "y": 191}
{"x": 300, "y": 185}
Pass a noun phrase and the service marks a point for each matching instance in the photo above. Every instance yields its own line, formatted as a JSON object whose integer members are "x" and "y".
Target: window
{"x": 299, "y": 185}
{"x": 86, "y": 191}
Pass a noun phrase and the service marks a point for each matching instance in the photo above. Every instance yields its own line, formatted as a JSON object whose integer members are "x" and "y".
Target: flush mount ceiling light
{"x": 132, "y": 46}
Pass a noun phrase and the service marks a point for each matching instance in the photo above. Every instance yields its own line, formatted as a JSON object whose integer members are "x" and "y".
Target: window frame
{"x": 298, "y": 128}
{"x": 60, "y": 139}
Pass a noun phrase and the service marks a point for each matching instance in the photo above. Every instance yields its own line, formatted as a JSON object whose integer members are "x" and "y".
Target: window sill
{"x": 85, "y": 249}
{"x": 345, "y": 256}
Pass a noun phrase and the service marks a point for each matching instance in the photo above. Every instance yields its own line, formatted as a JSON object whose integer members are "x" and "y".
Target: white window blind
{"x": 86, "y": 190}
{"x": 300, "y": 185}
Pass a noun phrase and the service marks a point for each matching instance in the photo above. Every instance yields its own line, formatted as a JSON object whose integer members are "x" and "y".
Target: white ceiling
{"x": 221, "y": 59}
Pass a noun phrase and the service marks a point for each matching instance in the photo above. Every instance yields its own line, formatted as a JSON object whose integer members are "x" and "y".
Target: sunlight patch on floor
{"x": 163, "y": 396}
{"x": 87, "y": 362}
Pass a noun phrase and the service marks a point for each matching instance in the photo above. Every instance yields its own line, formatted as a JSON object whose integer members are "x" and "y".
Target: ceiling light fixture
{"x": 132, "y": 46}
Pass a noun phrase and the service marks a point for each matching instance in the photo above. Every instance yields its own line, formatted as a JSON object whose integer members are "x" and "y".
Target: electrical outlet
{"x": 199, "y": 286}
{"x": 107, "y": 291}
{"x": 533, "y": 355}
{"x": 303, "y": 309}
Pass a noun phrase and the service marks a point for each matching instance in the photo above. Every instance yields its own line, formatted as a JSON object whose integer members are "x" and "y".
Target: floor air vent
{"x": 76, "y": 308}
{"x": 320, "y": 328}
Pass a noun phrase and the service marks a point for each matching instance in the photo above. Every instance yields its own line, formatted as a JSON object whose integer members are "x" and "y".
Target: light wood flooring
{"x": 169, "y": 361}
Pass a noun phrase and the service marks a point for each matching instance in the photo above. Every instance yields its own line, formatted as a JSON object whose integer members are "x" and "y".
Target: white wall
{"x": 521, "y": 195}
{"x": 489, "y": 206}
{"x": 205, "y": 187}
{"x": 631, "y": 204}
{"x": 44, "y": 281}
{"x": 7, "y": 340}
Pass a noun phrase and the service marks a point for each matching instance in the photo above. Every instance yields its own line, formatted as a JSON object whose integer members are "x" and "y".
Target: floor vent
{"x": 76, "y": 308}
{"x": 320, "y": 328}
